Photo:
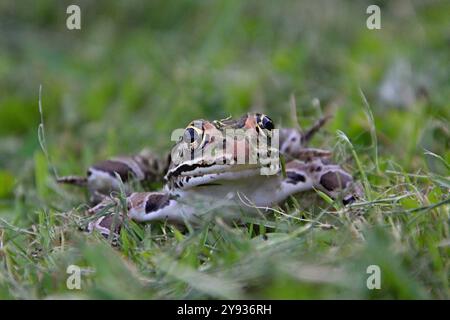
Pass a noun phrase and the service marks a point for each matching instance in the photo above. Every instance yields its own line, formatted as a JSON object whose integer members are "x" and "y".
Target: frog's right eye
{"x": 264, "y": 122}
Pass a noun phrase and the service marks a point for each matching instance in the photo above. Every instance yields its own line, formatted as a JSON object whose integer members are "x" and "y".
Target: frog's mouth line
{"x": 219, "y": 165}
{"x": 195, "y": 173}
{"x": 187, "y": 171}
{"x": 214, "y": 177}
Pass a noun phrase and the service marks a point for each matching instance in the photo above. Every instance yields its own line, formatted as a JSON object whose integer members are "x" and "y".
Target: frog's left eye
{"x": 190, "y": 135}
{"x": 264, "y": 122}
{"x": 193, "y": 136}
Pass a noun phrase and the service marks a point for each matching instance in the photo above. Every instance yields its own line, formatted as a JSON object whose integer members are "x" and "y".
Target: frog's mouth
{"x": 202, "y": 173}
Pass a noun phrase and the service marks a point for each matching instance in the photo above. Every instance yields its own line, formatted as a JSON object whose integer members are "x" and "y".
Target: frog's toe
{"x": 108, "y": 226}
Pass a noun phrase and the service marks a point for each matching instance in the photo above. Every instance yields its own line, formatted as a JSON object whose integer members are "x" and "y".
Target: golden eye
{"x": 264, "y": 122}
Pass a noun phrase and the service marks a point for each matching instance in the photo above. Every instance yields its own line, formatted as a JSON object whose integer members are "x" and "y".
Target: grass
{"x": 136, "y": 72}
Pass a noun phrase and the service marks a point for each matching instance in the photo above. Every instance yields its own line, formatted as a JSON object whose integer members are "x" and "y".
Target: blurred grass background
{"x": 137, "y": 70}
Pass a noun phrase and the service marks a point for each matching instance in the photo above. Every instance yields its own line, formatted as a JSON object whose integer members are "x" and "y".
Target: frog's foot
{"x": 328, "y": 178}
{"x": 108, "y": 226}
{"x": 308, "y": 134}
{"x": 293, "y": 142}
{"x": 140, "y": 207}
{"x": 109, "y": 219}
{"x": 109, "y": 175}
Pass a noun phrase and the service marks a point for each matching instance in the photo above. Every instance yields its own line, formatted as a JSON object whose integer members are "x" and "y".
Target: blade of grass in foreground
{"x": 373, "y": 131}
{"x": 343, "y": 137}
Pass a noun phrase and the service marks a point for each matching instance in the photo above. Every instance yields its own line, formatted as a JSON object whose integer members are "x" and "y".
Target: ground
{"x": 137, "y": 70}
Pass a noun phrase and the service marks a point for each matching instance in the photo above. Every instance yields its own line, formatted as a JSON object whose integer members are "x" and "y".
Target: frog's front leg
{"x": 140, "y": 207}
{"x": 157, "y": 206}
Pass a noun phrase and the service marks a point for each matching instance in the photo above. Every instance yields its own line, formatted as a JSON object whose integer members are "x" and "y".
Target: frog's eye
{"x": 190, "y": 135}
{"x": 193, "y": 136}
{"x": 264, "y": 122}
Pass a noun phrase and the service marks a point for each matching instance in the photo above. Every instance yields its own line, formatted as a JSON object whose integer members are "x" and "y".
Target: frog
{"x": 234, "y": 163}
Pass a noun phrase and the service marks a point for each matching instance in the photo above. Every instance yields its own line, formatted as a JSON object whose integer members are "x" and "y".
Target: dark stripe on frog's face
{"x": 187, "y": 167}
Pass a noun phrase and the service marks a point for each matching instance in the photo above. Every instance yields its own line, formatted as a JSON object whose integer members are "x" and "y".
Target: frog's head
{"x": 209, "y": 151}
